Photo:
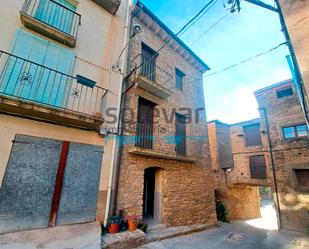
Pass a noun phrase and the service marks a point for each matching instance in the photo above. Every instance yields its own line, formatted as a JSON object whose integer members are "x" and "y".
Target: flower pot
{"x": 131, "y": 225}
{"x": 113, "y": 228}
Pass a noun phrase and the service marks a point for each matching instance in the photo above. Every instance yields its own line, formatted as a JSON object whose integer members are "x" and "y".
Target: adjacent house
{"x": 164, "y": 169}
{"x": 271, "y": 151}
{"x": 288, "y": 145}
{"x": 56, "y": 83}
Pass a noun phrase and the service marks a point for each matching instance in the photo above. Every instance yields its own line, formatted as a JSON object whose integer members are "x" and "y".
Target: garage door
{"x": 31, "y": 182}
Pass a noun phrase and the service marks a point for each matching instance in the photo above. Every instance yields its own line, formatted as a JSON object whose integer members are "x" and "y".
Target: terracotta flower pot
{"x": 131, "y": 225}
{"x": 113, "y": 228}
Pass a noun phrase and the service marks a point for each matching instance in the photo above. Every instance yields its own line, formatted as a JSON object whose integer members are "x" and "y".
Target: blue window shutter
{"x": 55, "y": 15}
{"x": 43, "y": 85}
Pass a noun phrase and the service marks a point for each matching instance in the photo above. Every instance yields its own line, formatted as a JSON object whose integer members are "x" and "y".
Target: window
{"x": 252, "y": 135}
{"x": 180, "y": 125}
{"x": 257, "y": 167}
{"x": 45, "y": 86}
{"x": 179, "y": 78}
{"x": 284, "y": 93}
{"x": 144, "y": 129}
{"x": 302, "y": 178}
{"x": 59, "y": 14}
{"x": 148, "y": 68}
{"x": 295, "y": 131}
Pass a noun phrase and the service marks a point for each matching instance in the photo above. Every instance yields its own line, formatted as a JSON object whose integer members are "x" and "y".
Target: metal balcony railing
{"x": 29, "y": 81}
{"x": 180, "y": 147}
{"x": 53, "y": 14}
{"x": 144, "y": 135}
{"x": 149, "y": 69}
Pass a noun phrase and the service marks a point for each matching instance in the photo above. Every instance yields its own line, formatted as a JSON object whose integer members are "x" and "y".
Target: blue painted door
{"x": 56, "y": 15}
{"x": 31, "y": 78}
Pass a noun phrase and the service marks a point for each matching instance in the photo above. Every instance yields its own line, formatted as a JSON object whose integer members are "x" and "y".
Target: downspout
{"x": 273, "y": 166}
{"x": 297, "y": 72}
{"x": 115, "y": 143}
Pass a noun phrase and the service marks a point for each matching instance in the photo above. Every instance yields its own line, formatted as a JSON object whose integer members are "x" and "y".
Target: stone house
{"x": 55, "y": 84}
{"x": 281, "y": 115}
{"x": 270, "y": 151}
{"x": 164, "y": 172}
{"x": 235, "y": 151}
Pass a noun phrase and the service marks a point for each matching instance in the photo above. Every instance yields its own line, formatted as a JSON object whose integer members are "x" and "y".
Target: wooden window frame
{"x": 181, "y": 74}
{"x": 295, "y": 179}
{"x": 245, "y": 137}
{"x": 251, "y": 166}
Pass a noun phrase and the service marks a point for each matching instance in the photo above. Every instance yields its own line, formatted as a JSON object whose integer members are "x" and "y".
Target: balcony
{"x": 151, "y": 77}
{"x": 32, "y": 90}
{"x": 144, "y": 145}
{"x": 51, "y": 19}
{"x": 110, "y": 5}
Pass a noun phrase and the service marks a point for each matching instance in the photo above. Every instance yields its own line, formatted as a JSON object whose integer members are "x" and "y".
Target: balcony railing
{"x": 180, "y": 147}
{"x": 31, "y": 82}
{"x": 150, "y": 69}
{"x": 144, "y": 135}
{"x": 53, "y": 14}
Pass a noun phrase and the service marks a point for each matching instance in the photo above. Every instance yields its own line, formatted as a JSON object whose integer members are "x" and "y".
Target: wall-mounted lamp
{"x": 136, "y": 30}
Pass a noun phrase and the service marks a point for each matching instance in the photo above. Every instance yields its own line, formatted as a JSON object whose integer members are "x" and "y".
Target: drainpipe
{"x": 272, "y": 165}
{"x": 115, "y": 143}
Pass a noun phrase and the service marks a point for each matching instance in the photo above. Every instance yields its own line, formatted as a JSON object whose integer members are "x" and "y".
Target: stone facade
{"x": 184, "y": 193}
{"x": 288, "y": 154}
{"x": 230, "y": 162}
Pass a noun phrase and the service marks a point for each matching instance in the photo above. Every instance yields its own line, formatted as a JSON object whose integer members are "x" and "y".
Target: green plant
{"x": 114, "y": 220}
{"x": 222, "y": 214}
{"x": 142, "y": 226}
{"x": 104, "y": 229}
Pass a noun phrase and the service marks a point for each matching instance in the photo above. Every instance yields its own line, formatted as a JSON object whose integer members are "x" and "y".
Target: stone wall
{"x": 235, "y": 187}
{"x": 288, "y": 155}
{"x": 187, "y": 195}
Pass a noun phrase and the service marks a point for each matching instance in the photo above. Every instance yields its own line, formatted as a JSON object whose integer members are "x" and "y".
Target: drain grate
{"x": 235, "y": 236}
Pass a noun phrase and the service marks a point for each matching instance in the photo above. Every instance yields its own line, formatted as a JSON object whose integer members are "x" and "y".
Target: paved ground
{"x": 252, "y": 234}
{"x": 235, "y": 235}
{"x": 81, "y": 236}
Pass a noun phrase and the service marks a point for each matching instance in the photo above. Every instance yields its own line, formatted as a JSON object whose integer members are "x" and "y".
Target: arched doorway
{"x": 152, "y": 195}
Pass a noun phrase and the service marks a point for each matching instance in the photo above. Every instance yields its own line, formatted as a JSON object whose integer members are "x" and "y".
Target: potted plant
{"x": 114, "y": 224}
{"x": 142, "y": 226}
{"x": 133, "y": 221}
{"x": 124, "y": 222}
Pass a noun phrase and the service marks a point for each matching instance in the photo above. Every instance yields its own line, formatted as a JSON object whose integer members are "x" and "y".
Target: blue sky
{"x": 229, "y": 95}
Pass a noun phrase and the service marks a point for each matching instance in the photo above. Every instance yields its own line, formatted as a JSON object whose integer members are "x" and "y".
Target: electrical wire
{"x": 246, "y": 60}
{"x": 211, "y": 27}
{"x": 177, "y": 34}
{"x": 198, "y": 18}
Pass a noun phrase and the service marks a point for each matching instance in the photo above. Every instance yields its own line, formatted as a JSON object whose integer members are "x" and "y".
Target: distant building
{"x": 281, "y": 115}
{"x": 245, "y": 154}
{"x": 56, "y": 83}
